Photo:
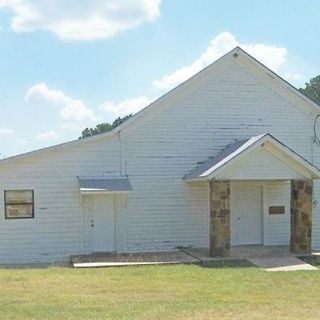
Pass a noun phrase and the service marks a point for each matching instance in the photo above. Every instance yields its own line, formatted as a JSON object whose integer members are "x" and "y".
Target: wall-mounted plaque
{"x": 277, "y": 210}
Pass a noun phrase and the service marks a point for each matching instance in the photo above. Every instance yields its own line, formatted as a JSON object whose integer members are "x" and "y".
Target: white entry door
{"x": 246, "y": 214}
{"x": 102, "y": 223}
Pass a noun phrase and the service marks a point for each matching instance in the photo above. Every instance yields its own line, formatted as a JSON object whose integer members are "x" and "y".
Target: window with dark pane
{"x": 19, "y": 204}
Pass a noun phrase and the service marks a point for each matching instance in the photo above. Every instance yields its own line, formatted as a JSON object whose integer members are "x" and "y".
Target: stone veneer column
{"x": 219, "y": 218}
{"x": 301, "y": 216}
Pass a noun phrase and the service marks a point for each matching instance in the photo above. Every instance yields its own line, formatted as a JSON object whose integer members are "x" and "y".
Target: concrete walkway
{"x": 269, "y": 258}
{"x": 288, "y": 263}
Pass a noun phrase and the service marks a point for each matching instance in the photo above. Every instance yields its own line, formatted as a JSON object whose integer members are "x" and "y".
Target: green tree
{"x": 103, "y": 127}
{"x": 119, "y": 120}
{"x": 312, "y": 89}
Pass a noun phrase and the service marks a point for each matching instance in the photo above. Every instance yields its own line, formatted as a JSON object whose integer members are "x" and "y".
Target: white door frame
{"x": 92, "y": 222}
{"x": 258, "y": 184}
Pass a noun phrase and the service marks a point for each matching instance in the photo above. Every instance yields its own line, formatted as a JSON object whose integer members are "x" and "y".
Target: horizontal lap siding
{"x": 85, "y": 227}
{"x": 60, "y": 227}
{"x": 159, "y": 224}
{"x": 259, "y": 165}
{"x": 164, "y": 211}
{"x": 277, "y": 226}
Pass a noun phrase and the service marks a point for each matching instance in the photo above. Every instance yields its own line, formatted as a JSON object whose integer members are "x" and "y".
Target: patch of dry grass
{"x": 158, "y": 292}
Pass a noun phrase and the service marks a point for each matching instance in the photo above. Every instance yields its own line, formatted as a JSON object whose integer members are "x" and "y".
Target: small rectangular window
{"x": 19, "y": 204}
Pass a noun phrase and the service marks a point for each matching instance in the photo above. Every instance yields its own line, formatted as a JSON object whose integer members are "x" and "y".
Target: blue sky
{"x": 68, "y": 64}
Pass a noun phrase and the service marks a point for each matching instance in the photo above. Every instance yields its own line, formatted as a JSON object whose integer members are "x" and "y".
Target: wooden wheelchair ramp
{"x": 130, "y": 259}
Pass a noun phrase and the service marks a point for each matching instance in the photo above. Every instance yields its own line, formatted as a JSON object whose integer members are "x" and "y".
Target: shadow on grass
{"x": 204, "y": 264}
{"x": 227, "y": 264}
{"x": 36, "y": 266}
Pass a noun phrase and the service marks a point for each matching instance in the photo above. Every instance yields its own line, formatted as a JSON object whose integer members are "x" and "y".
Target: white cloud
{"x": 272, "y": 56}
{"x": 41, "y": 95}
{"x": 5, "y": 131}
{"x": 47, "y": 135}
{"x": 76, "y": 110}
{"x": 73, "y": 112}
{"x": 80, "y": 19}
{"x": 127, "y": 106}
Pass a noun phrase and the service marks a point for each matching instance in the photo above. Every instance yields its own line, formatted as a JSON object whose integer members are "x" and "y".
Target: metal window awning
{"x": 104, "y": 185}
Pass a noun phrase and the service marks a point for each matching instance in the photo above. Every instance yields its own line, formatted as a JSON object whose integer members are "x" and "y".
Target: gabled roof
{"x": 236, "y": 55}
{"x": 104, "y": 184}
{"x": 208, "y": 169}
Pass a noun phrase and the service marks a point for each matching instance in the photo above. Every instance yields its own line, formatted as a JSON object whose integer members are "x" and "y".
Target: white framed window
{"x": 19, "y": 204}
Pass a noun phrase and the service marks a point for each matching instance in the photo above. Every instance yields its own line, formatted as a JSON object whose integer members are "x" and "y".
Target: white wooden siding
{"x": 192, "y": 127}
{"x": 163, "y": 211}
{"x": 276, "y": 226}
{"x": 59, "y": 228}
{"x": 316, "y": 199}
{"x": 259, "y": 165}
{"x": 316, "y": 217}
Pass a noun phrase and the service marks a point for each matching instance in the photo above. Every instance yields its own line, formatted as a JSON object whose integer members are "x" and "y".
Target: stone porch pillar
{"x": 301, "y": 216}
{"x": 219, "y": 218}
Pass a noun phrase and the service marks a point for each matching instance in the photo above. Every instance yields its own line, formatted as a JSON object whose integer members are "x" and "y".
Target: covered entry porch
{"x": 261, "y": 213}
{"x": 268, "y": 213}
{"x": 260, "y": 194}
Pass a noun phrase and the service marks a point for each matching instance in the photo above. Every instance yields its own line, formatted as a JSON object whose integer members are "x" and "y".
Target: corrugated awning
{"x": 103, "y": 184}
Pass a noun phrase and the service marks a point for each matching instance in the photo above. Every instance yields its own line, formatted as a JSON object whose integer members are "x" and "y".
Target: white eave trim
{"x": 233, "y": 155}
{"x": 251, "y": 145}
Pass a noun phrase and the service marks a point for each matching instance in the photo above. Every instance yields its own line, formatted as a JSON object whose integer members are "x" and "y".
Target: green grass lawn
{"x": 158, "y": 292}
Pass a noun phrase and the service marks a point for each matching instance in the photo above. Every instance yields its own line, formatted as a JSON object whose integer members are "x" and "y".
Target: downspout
{"x": 120, "y": 153}
{"x": 121, "y": 223}
{"x": 314, "y": 141}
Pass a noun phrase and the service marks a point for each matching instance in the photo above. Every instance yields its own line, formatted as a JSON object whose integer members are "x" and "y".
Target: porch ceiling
{"x": 258, "y": 157}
